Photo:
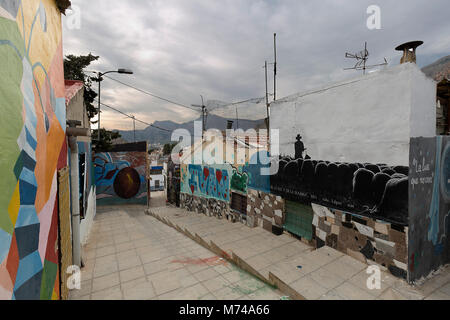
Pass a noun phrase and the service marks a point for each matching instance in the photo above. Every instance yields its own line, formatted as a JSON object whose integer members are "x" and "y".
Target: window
{"x": 239, "y": 203}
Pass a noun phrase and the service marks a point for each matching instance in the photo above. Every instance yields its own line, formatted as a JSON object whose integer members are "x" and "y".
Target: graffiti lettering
{"x": 209, "y": 182}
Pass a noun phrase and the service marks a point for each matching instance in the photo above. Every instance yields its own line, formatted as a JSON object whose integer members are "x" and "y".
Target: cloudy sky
{"x": 181, "y": 49}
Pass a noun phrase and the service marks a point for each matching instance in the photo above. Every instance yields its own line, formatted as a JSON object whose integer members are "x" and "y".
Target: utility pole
{"x": 204, "y": 113}
{"x": 275, "y": 67}
{"x": 267, "y": 96}
{"x": 99, "y": 103}
{"x": 134, "y": 128}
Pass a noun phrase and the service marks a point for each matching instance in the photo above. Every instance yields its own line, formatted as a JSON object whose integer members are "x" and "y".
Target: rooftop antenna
{"x": 361, "y": 60}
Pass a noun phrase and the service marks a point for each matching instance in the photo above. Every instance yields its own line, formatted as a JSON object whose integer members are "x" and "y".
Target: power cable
{"x": 151, "y": 94}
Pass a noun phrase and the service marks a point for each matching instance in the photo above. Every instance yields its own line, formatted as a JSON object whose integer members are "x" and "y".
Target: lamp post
{"x": 100, "y": 79}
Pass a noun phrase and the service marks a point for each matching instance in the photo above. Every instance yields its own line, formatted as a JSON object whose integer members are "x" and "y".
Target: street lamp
{"x": 100, "y": 79}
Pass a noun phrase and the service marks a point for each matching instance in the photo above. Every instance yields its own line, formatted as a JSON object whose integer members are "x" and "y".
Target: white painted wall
{"x": 155, "y": 177}
{"x": 86, "y": 223}
{"x": 367, "y": 119}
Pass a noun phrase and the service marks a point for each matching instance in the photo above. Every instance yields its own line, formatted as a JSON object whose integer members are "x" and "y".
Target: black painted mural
{"x": 429, "y": 192}
{"x": 376, "y": 190}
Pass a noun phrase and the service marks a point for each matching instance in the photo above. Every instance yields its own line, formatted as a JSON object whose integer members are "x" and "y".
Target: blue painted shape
{"x": 433, "y": 229}
{"x": 28, "y": 176}
{"x": 30, "y": 139}
{"x": 12, "y": 6}
{"x": 27, "y": 216}
{"x": 31, "y": 289}
{"x": 28, "y": 94}
{"x": 28, "y": 267}
{"x": 60, "y": 112}
{"x": 253, "y": 170}
{"x": 5, "y": 243}
{"x": 27, "y": 192}
{"x": 43, "y": 17}
{"x": 27, "y": 239}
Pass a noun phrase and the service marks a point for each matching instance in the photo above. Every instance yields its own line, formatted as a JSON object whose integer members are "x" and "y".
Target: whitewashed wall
{"x": 367, "y": 119}
{"x": 86, "y": 223}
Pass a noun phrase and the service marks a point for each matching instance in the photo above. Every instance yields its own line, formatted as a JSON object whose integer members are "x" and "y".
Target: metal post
{"x": 99, "y": 104}
{"x": 275, "y": 67}
{"x": 134, "y": 127}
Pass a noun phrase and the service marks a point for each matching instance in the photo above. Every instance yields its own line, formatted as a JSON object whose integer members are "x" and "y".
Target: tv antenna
{"x": 361, "y": 60}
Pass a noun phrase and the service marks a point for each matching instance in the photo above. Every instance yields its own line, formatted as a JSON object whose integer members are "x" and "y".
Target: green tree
{"x": 168, "y": 147}
{"x": 106, "y": 140}
{"x": 74, "y": 70}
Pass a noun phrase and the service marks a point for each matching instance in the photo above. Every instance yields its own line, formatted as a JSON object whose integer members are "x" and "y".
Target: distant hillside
{"x": 438, "y": 70}
{"x": 154, "y": 135}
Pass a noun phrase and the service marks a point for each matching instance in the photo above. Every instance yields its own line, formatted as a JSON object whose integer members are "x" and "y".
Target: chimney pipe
{"x": 409, "y": 51}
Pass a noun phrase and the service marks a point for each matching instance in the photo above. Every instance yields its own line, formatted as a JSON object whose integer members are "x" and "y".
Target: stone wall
{"x": 210, "y": 207}
{"x": 264, "y": 210}
{"x": 362, "y": 238}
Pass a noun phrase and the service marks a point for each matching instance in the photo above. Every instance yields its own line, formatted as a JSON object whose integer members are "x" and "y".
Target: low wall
{"x": 210, "y": 207}
{"x": 264, "y": 210}
{"x": 375, "y": 190}
{"x": 363, "y": 238}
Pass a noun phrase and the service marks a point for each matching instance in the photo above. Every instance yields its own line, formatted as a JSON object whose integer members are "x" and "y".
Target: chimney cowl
{"x": 409, "y": 51}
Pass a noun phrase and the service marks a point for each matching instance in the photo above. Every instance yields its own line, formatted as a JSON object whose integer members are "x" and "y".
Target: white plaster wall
{"x": 86, "y": 223}
{"x": 367, "y": 119}
{"x": 155, "y": 177}
{"x": 423, "y": 105}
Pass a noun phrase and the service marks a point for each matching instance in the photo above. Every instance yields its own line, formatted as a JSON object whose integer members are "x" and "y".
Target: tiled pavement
{"x": 133, "y": 256}
{"x": 294, "y": 267}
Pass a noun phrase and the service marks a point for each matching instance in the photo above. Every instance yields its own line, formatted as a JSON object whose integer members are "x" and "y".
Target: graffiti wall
{"x": 121, "y": 176}
{"x": 207, "y": 181}
{"x": 256, "y": 180}
{"x": 32, "y": 140}
{"x": 429, "y": 196}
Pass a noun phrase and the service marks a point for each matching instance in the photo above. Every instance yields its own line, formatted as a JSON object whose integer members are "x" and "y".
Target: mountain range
{"x": 154, "y": 135}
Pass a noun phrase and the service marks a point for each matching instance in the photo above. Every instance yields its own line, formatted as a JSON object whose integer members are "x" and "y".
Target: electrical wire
{"x": 133, "y": 117}
{"x": 151, "y": 94}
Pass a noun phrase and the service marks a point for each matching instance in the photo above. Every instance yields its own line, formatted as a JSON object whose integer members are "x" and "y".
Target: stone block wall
{"x": 209, "y": 207}
{"x": 264, "y": 210}
{"x": 362, "y": 238}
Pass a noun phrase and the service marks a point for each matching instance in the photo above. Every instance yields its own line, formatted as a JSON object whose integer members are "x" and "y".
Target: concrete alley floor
{"x": 297, "y": 269}
{"x": 130, "y": 255}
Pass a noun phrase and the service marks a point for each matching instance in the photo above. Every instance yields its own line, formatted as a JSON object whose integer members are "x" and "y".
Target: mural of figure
{"x": 299, "y": 148}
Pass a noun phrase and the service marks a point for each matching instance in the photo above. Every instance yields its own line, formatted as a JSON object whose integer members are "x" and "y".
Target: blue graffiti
{"x": 209, "y": 182}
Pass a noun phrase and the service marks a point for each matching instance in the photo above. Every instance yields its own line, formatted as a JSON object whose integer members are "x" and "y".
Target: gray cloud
{"x": 181, "y": 49}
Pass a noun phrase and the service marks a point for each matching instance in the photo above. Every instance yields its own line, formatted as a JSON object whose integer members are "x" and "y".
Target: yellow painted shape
{"x": 14, "y": 205}
{"x": 55, "y": 295}
{"x": 43, "y": 44}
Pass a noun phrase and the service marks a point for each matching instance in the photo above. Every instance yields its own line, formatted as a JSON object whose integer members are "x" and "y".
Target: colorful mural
{"x": 33, "y": 146}
{"x": 429, "y": 206}
{"x": 206, "y": 181}
{"x": 121, "y": 177}
{"x": 257, "y": 181}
